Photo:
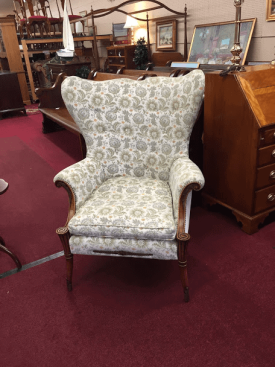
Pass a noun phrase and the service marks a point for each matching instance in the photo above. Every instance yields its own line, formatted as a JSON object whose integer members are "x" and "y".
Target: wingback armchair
{"x": 131, "y": 195}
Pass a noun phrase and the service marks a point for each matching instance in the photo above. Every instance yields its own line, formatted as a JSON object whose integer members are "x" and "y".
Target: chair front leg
{"x": 182, "y": 261}
{"x": 64, "y": 235}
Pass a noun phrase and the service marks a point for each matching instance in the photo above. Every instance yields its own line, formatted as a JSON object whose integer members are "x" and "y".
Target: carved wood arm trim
{"x": 181, "y": 235}
{"x": 51, "y": 97}
{"x": 71, "y": 212}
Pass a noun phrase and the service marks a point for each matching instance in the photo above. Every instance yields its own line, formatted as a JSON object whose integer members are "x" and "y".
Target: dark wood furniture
{"x": 119, "y": 56}
{"x": 10, "y": 95}
{"x": 3, "y": 188}
{"x": 68, "y": 69}
{"x": 239, "y": 143}
{"x": 165, "y": 58}
{"x": 10, "y": 53}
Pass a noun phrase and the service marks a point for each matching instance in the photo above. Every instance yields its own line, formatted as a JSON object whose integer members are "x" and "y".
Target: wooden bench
{"x": 147, "y": 73}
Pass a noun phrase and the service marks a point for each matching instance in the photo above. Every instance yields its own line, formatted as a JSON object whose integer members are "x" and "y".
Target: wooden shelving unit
{"x": 27, "y": 52}
{"x": 121, "y": 56}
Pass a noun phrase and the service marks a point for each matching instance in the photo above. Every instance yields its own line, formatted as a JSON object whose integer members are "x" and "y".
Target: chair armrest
{"x": 83, "y": 178}
{"x": 185, "y": 176}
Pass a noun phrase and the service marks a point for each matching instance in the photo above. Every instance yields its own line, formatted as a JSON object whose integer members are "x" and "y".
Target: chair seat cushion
{"x": 71, "y": 17}
{"x": 127, "y": 207}
{"x": 37, "y": 17}
{"x": 147, "y": 249}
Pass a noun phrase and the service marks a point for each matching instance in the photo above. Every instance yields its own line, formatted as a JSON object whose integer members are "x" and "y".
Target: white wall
{"x": 200, "y": 12}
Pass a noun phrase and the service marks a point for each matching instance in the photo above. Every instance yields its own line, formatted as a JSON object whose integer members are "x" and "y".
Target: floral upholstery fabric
{"x": 137, "y": 134}
{"x": 127, "y": 207}
{"x": 148, "y": 249}
{"x": 183, "y": 172}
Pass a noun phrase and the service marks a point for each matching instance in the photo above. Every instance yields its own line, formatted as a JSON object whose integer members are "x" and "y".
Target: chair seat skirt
{"x": 129, "y": 208}
{"x": 71, "y": 17}
{"x": 54, "y": 19}
{"x": 37, "y": 17}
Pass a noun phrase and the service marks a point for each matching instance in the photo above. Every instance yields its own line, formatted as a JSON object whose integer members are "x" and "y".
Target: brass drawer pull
{"x": 273, "y": 135}
{"x": 273, "y": 153}
{"x": 272, "y": 174}
{"x": 271, "y": 197}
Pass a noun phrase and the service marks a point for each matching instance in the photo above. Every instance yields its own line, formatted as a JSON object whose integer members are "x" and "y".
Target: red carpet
{"x": 59, "y": 149}
{"x": 32, "y": 208}
{"x": 125, "y": 312}
{"x": 129, "y": 312}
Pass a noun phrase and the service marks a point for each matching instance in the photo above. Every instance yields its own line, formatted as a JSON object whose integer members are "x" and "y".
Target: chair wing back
{"x": 135, "y": 128}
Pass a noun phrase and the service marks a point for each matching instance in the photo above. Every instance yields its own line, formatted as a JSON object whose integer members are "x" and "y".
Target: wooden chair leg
{"x": 4, "y": 249}
{"x": 182, "y": 261}
{"x": 64, "y": 236}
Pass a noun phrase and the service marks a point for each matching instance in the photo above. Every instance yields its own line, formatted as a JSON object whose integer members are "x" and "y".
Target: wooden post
{"x": 148, "y": 38}
{"x": 96, "y": 57}
{"x": 185, "y": 34}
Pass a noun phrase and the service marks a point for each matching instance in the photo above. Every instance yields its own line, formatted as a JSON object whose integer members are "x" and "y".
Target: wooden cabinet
{"x": 10, "y": 95}
{"x": 119, "y": 56}
{"x": 69, "y": 69}
{"x": 239, "y": 143}
{"x": 10, "y": 55}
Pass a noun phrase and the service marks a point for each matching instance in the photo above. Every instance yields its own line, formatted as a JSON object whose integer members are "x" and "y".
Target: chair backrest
{"x": 30, "y": 7}
{"x": 44, "y": 7}
{"x": 136, "y": 72}
{"x": 99, "y": 76}
{"x": 135, "y": 128}
{"x": 22, "y": 8}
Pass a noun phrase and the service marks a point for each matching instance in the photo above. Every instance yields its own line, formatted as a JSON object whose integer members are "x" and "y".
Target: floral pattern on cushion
{"x": 127, "y": 207}
{"x": 150, "y": 249}
{"x": 136, "y": 132}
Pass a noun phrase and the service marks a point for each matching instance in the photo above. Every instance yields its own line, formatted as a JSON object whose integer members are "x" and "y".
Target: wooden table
{"x": 10, "y": 94}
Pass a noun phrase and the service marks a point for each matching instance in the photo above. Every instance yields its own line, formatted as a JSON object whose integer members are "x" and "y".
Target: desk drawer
{"x": 121, "y": 61}
{"x": 112, "y": 60}
{"x": 265, "y": 176}
{"x": 267, "y": 137}
{"x": 120, "y": 52}
{"x": 111, "y": 52}
{"x": 266, "y": 155}
{"x": 264, "y": 199}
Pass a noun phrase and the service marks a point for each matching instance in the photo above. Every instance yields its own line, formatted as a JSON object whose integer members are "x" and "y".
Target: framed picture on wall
{"x": 211, "y": 43}
{"x": 166, "y": 35}
{"x": 270, "y": 10}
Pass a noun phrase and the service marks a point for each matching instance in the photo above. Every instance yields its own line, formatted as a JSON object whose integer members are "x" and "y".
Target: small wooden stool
{"x": 3, "y": 188}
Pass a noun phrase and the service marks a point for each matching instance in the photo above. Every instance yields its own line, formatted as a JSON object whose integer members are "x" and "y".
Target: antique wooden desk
{"x": 10, "y": 94}
{"x": 239, "y": 143}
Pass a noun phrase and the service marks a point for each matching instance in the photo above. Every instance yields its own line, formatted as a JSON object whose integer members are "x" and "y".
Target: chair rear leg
{"x": 64, "y": 236}
{"x": 182, "y": 261}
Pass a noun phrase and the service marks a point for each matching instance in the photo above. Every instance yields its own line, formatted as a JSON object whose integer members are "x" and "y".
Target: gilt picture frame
{"x": 166, "y": 35}
{"x": 270, "y": 10}
{"x": 211, "y": 43}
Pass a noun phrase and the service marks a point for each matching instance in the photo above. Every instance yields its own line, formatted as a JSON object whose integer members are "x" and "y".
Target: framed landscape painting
{"x": 166, "y": 35}
{"x": 211, "y": 43}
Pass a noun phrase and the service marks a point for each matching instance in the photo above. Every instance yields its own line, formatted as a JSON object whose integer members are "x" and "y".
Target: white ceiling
{"x": 6, "y": 7}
